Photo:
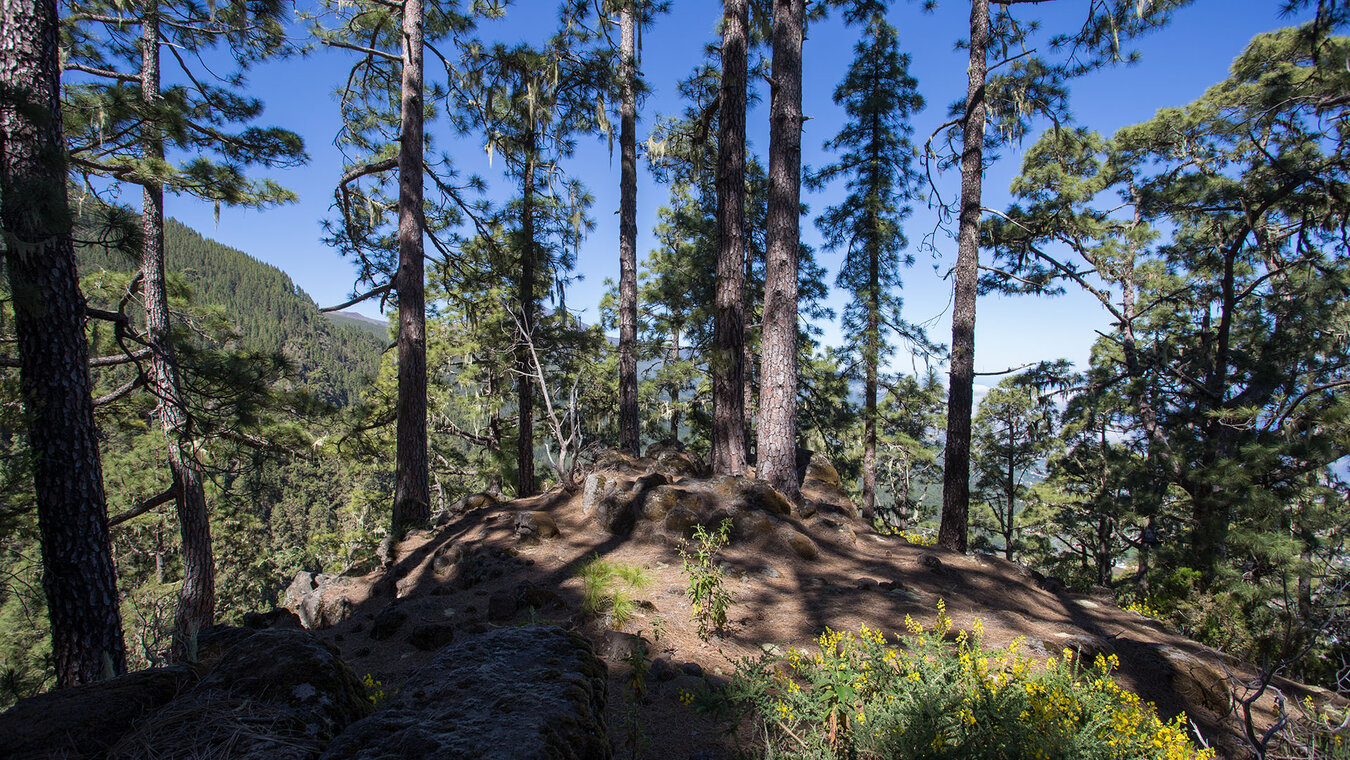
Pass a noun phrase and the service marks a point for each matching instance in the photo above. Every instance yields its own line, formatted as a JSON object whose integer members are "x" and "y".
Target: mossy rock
{"x": 798, "y": 543}
{"x": 530, "y": 692}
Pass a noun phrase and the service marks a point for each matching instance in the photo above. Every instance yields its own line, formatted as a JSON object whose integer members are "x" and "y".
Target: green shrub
{"x": 708, "y": 596}
{"x": 926, "y": 697}
{"x": 607, "y": 589}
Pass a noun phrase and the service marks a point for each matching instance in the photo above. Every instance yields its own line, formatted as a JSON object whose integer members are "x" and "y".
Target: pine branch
{"x": 100, "y": 361}
{"x": 105, "y": 73}
{"x": 380, "y": 291}
{"x": 145, "y": 506}
{"x": 120, "y": 392}
{"x": 368, "y": 51}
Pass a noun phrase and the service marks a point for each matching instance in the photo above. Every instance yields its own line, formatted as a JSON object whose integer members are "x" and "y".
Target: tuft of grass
{"x": 607, "y": 589}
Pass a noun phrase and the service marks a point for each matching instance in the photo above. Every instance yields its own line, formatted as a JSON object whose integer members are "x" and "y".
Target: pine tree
{"x": 531, "y": 103}
{"x": 1031, "y": 85}
{"x": 391, "y": 39}
{"x": 104, "y": 49}
{"x": 879, "y": 96}
{"x": 954, "y": 530}
{"x": 629, "y": 437}
{"x": 49, "y": 313}
{"x": 776, "y": 448}
{"x": 729, "y": 366}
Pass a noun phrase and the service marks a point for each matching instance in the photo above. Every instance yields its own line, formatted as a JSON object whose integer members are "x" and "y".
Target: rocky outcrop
{"x": 276, "y": 695}
{"x": 318, "y": 599}
{"x": 1197, "y": 681}
{"x": 84, "y": 721}
{"x": 822, "y": 489}
{"x": 463, "y": 505}
{"x": 535, "y": 526}
{"x": 532, "y": 692}
{"x": 651, "y": 499}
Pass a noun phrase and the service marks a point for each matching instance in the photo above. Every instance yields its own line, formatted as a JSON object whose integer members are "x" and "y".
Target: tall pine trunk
{"x": 777, "y": 422}
{"x": 525, "y": 297}
{"x": 872, "y": 356}
{"x": 674, "y": 390}
{"x": 197, "y": 594}
{"x": 412, "y": 488}
{"x": 728, "y": 365}
{"x": 953, "y": 532}
{"x": 78, "y": 577}
{"x": 1211, "y": 502}
{"x": 628, "y": 379}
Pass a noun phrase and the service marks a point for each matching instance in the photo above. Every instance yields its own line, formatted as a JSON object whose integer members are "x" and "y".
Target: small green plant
{"x": 925, "y": 696}
{"x": 707, "y": 591}
{"x": 658, "y": 628}
{"x": 635, "y": 691}
{"x": 607, "y": 589}
{"x": 375, "y": 691}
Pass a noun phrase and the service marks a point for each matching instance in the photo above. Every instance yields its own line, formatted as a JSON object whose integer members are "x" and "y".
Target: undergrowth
{"x": 708, "y": 597}
{"x": 607, "y": 589}
{"x": 932, "y": 694}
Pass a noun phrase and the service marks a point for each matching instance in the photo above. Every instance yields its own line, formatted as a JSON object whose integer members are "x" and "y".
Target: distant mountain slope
{"x": 335, "y": 358}
{"x": 377, "y": 327}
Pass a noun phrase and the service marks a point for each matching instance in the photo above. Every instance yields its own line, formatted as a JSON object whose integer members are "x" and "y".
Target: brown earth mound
{"x": 793, "y": 570}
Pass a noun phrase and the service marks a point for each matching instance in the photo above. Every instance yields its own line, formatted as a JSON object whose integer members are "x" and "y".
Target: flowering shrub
{"x": 918, "y": 539}
{"x": 857, "y": 696}
{"x": 375, "y": 691}
{"x": 915, "y": 537}
{"x": 1144, "y": 608}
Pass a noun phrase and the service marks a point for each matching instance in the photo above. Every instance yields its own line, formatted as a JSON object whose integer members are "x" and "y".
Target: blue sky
{"x": 1178, "y": 63}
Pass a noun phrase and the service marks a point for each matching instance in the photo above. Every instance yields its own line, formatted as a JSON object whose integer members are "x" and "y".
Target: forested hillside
{"x": 165, "y": 465}
{"x": 335, "y": 360}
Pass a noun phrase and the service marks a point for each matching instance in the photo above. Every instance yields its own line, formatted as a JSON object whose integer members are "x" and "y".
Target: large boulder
{"x": 614, "y": 502}
{"x": 798, "y": 543}
{"x": 822, "y": 489}
{"x": 534, "y": 526}
{"x": 739, "y": 494}
{"x": 318, "y": 600}
{"x": 602, "y": 500}
{"x": 531, "y": 693}
{"x": 84, "y": 721}
{"x": 670, "y": 457}
{"x": 277, "y": 695}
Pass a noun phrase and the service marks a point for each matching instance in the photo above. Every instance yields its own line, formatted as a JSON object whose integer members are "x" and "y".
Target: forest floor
{"x": 779, "y": 600}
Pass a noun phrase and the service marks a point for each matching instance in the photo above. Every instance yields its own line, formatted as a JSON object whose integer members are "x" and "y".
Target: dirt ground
{"x": 779, "y": 600}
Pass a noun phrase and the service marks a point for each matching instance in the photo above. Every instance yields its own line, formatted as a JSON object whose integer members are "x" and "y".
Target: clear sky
{"x": 1178, "y": 63}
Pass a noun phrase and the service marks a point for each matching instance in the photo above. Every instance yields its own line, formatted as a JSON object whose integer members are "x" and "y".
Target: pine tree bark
{"x": 728, "y": 363}
{"x": 871, "y": 352}
{"x": 412, "y": 488}
{"x": 777, "y": 421}
{"x": 525, "y": 297}
{"x": 197, "y": 593}
{"x": 78, "y": 576}
{"x": 954, "y": 529}
{"x": 674, "y": 390}
{"x": 628, "y": 380}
